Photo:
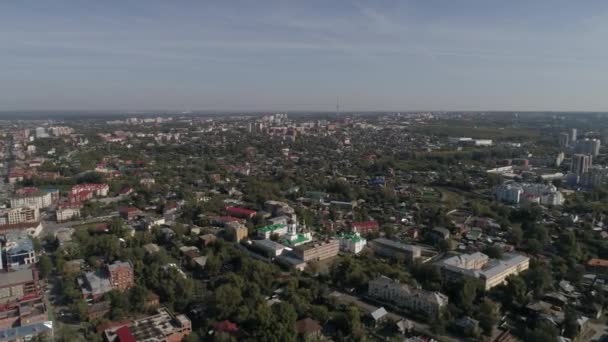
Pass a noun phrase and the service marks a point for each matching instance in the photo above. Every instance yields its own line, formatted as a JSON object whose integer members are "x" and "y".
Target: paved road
{"x": 51, "y": 227}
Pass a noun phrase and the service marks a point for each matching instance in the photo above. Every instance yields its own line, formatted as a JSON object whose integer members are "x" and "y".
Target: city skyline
{"x": 299, "y": 56}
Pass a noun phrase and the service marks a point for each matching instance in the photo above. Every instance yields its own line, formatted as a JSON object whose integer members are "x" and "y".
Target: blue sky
{"x": 301, "y": 55}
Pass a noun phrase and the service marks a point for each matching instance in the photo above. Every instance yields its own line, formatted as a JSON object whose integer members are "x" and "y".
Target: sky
{"x": 285, "y": 55}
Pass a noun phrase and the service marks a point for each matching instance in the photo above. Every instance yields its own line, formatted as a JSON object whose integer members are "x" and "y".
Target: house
{"x": 598, "y": 266}
{"x": 378, "y": 315}
{"x": 129, "y": 213}
{"x": 308, "y": 327}
{"x": 226, "y": 327}
{"x": 439, "y": 234}
{"x": 207, "y": 239}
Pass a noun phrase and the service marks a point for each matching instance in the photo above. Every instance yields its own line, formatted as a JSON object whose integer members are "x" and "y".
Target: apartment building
{"x": 38, "y": 200}
{"x": 318, "y": 250}
{"x": 394, "y": 249}
{"x": 121, "y": 275}
{"x": 403, "y": 296}
{"x": 15, "y": 285}
{"x": 19, "y": 215}
{"x": 491, "y": 272}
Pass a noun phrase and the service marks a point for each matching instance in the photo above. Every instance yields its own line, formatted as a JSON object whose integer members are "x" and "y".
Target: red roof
{"x": 124, "y": 335}
{"x": 365, "y": 225}
{"x": 126, "y": 190}
{"x": 27, "y": 191}
{"x": 240, "y": 211}
{"x": 102, "y": 327}
{"x": 598, "y": 262}
{"x": 228, "y": 219}
{"x": 226, "y": 326}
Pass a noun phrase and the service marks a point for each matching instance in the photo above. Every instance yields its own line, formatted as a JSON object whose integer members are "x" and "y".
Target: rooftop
{"x": 272, "y": 227}
{"x": 351, "y": 236}
{"x": 396, "y": 245}
{"x": 16, "y": 277}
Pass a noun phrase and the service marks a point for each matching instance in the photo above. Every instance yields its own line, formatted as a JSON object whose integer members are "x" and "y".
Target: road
{"x": 51, "y": 227}
{"x": 418, "y": 327}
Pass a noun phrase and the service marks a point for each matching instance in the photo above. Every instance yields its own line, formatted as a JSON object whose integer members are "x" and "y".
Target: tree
{"x": 570, "y": 324}
{"x": 543, "y": 332}
{"x": 488, "y": 316}
{"x": 226, "y": 299}
{"x": 538, "y": 279}
{"x": 45, "y": 266}
{"x": 493, "y": 252}
{"x": 464, "y": 293}
{"x": 354, "y": 321}
{"x": 515, "y": 291}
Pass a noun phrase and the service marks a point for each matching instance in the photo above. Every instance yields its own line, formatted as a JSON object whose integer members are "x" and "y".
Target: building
{"x": 316, "y": 251}
{"x": 269, "y": 247}
{"x": 98, "y": 190}
{"x": 581, "y": 164}
{"x": 61, "y": 130}
{"x": 129, "y": 213}
{"x": 364, "y": 227}
{"x": 598, "y": 266}
{"x": 38, "y": 200}
{"x": 18, "y": 284}
{"x": 164, "y": 326}
{"x": 563, "y": 139}
{"x": 394, "y": 249}
{"x": 559, "y": 159}
{"x": 19, "y": 215}
{"x": 238, "y": 232}
{"x": 514, "y": 193}
{"x": 121, "y": 275}
{"x": 116, "y": 276}
{"x": 18, "y": 250}
{"x": 588, "y": 146}
{"x": 308, "y": 327}
{"x": 24, "y": 320}
{"x": 240, "y": 212}
{"x": 573, "y": 135}
{"x": 273, "y": 229}
{"x": 596, "y": 177}
{"x": 491, "y": 272}
{"x": 403, "y": 296}
{"x": 66, "y": 212}
{"x": 509, "y": 192}
{"x": 351, "y": 242}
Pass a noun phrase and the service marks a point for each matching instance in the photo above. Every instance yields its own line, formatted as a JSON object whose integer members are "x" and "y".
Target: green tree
{"x": 538, "y": 279}
{"x": 493, "y": 252}
{"x": 45, "y": 266}
{"x": 543, "y": 332}
{"x": 488, "y": 316}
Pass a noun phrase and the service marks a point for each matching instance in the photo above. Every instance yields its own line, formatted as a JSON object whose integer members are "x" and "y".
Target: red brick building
{"x": 121, "y": 275}
{"x": 240, "y": 212}
{"x": 364, "y": 227}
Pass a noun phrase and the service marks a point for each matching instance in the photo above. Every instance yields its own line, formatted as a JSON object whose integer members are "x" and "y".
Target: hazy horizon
{"x": 232, "y": 56}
